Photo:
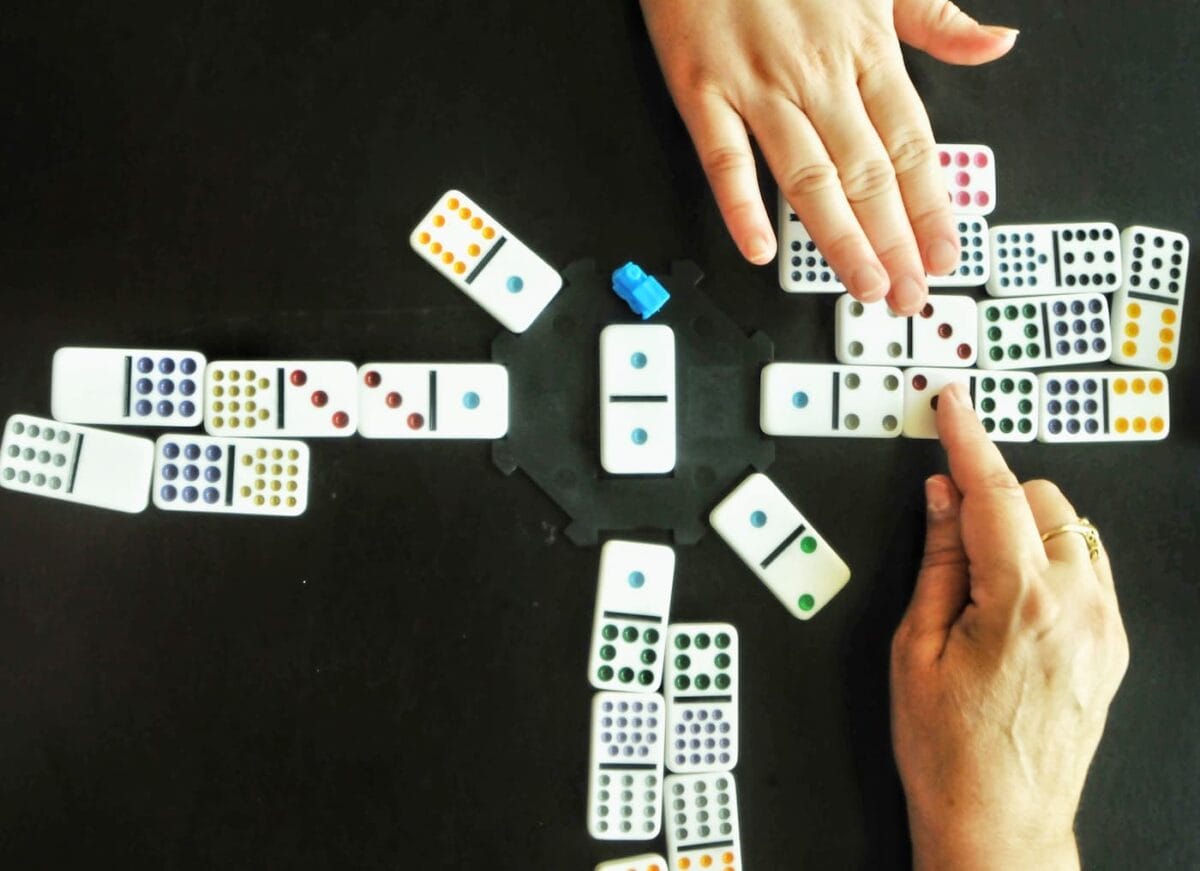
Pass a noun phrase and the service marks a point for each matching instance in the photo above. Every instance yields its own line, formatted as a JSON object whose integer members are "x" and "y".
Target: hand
{"x": 1004, "y": 666}
{"x": 821, "y": 84}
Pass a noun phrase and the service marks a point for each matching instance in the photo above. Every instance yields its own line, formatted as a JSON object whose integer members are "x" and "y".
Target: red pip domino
{"x": 280, "y": 398}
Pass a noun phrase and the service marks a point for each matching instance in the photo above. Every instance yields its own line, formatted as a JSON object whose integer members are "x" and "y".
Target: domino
{"x": 485, "y": 261}
{"x": 126, "y": 386}
{"x": 1007, "y": 404}
{"x": 770, "y": 536}
{"x": 217, "y": 475}
{"x": 813, "y": 399}
{"x": 702, "y": 822}
{"x": 1034, "y": 332}
{"x": 633, "y": 599}
{"x": 625, "y": 783}
{"x": 646, "y": 862}
{"x": 944, "y": 333}
{"x": 1147, "y": 310}
{"x": 970, "y": 172}
{"x": 76, "y": 464}
{"x": 802, "y": 269}
{"x": 1054, "y": 258}
{"x": 433, "y": 401}
{"x": 637, "y": 399}
{"x": 270, "y": 398}
{"x": 702, "y": 697}
{"x": 1104, "y": 406}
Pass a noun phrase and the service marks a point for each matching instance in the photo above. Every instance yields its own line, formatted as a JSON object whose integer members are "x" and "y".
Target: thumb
{"x": 949, "y": 34}
{"x": 943, "y": 585}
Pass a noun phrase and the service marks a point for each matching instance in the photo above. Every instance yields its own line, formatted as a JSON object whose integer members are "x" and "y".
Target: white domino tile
{"x": 1034, "y": 332}
{"x": 815, "y": 399}
{"x": 1104, "y": 406}
{"x": 281, "y": 398}
{"x": 637, "y": 399}
{"x": 702, "y": 690}
{"x": 1038, "y": 259}
{"x": 944, "y": 333}
{"x": 625, "y": 782}
{"x": 485, "y": 261}
{"x": 432, "y": 401}
{"x": 633, "y": 601}
{"x": 126, "y": 386}
{"x": 1006, "y": 402}
{"x": 780, "y": 546}
{"x": 1147, "y": 312}
{"x": 975, "y": 255}
{"x": 220, "y": 475}
{"x": 644, "y": 862}
{"x": 702, "y": 822}
{"x": 76, "y": 463}
{"x": 970, "y": 173}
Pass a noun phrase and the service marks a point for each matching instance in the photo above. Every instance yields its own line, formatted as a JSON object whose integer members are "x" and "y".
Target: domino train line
{"x": 666, "y": 694}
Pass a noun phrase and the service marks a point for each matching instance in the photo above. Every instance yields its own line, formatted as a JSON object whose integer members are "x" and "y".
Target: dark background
{"x": 400, "y": 674}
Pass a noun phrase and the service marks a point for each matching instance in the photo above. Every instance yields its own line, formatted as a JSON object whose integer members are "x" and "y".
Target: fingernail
{"x": 997, "y": 30}
{"x": 942, "y": 256}
{"x": 869, "y": 283}
{"x": 759, "y": 250}
{"x": 937, "y": 496}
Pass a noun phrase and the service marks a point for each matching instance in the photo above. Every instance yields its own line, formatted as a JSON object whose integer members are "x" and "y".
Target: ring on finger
{"x": 1083, "y": 527}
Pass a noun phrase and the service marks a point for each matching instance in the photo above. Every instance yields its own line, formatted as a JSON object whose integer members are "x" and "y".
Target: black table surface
{"x": 399, "y": 675}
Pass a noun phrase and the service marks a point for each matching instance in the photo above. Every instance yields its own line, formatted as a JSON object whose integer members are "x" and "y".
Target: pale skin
{"x": 1004, "y": 666}
{"x": 821, "y": 86}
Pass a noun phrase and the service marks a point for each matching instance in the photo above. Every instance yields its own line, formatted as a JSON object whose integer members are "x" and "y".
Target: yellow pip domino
{"x": 1148, "y": 308}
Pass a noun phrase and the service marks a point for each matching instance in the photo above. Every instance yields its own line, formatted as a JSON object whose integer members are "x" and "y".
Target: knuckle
{"x": 725, "y": 160}
{"x": 1040, "y": 488}
{"x": 911, "y": 150}
{"x": 869, "y": 179}
{"x": 810, "y": 179}
{"x": 1003, "y": 483}
{"x": 947, "y": 556}
{"x": 1037, "y": 608}
{"x": 943, "y": 14}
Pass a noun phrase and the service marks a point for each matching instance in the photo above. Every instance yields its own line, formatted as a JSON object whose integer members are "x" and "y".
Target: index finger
{"x": 1000, "y": 534}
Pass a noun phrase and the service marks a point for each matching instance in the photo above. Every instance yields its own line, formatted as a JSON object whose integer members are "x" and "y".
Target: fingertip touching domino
{"x": 1006, "y": 402}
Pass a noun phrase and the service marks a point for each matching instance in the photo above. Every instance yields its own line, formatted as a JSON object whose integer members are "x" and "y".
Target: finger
{"x": 724, "y": 150}
{"x": 898, "y": 114}
{"x": 1051, "y": 510}
{"x": 809, "y": 182}
{"x": 943, "y": 584}
{"x": 949, "y": 34}
{"x": 1000, "y": 535}
{"x": 869, "y": 181}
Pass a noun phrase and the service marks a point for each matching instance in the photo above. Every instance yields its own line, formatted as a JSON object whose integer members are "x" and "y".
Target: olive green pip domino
{"x": 780, "y": 546}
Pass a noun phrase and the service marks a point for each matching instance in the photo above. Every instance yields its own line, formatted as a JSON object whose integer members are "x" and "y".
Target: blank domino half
{"x": 76, "y": 463}
{"x": 1007, "y": 402}
{"x": 637, "y": 399}
{"x": 126, "y": 386}
{"x": 432, "y": 401}
{"x": 1054, "y": 258}
{"x": 1104, "y": 406}
{"x": 485, "y": 261}
{"x": 815, "y": 399}
{"x": 629, "y": 631}
{"x": 1033, "y": 332}
{"x": 1148, "y": 309}
{"x": 217, "y": 475}
{"x": 625, "y": 782}
{"x": 645, "y": 862}
{"x": 772, "y": 537}
{"x": 702, "y": 822}
{"x": 271, "y": 398}
{"x": 702, "y": 690}
{"x": 944, "y": 333}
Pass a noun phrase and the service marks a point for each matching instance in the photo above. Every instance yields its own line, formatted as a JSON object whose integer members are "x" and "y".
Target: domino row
{"x": 1019, "y": 333}
{"x": 808, "y": 399}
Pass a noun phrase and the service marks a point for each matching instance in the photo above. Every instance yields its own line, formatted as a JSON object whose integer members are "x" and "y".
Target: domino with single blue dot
{"x": 637, "y": 399}
{"x": 633, "y": 600}
{"x": 273, "y": 398}
{"x": 127, "y": 386}
{"x": 432, "y": 401}
{"x": 485, "y": 261}
{"x": 780, "y": 546}
{"x": 815, "y": 399}
{"x": 76, "y": 463}
{"x": 217, "y": 475}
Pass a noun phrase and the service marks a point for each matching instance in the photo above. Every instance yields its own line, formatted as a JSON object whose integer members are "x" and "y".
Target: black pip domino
{"x": 76, "y": 463}
{"x": 1054, "y": 258}
{"x": 1149, "y": 306}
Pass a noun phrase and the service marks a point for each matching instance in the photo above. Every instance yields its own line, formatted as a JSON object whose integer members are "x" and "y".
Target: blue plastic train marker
{"x": 643, "y": 292}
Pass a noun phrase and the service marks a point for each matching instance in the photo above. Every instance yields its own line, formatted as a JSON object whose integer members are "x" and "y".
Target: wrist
{"x": 948, "y": 849}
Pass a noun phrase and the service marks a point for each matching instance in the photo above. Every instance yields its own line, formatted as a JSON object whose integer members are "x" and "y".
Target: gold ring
{"x": 1084, "y": 527}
